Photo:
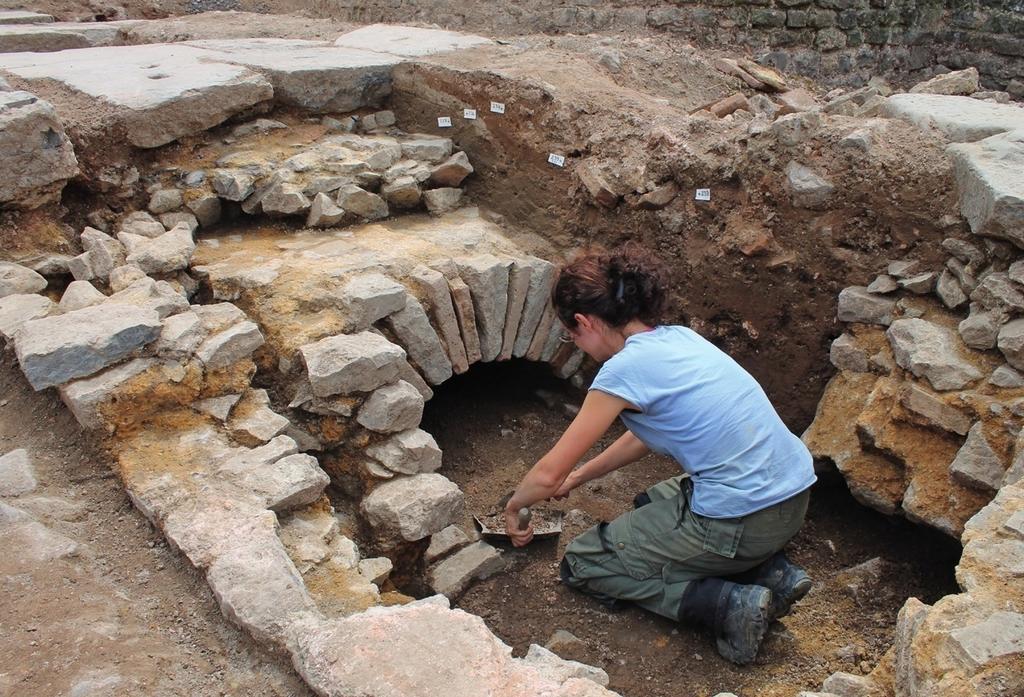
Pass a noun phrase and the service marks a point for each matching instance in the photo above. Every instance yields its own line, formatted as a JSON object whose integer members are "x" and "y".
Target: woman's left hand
{"x": 520, "y": 538}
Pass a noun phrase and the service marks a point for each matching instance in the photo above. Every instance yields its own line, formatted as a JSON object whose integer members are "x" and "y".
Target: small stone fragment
{"x": 323, "y": 212}
{"x": 856, "y": 304}
{"x": 17, "y": 476}
{"x": 809, "y": 190}
{"x": 845, "y": 354}
{"x": 883, "y": 284}
{"x": 165, "y": 200}
{"x": 370, "y": 206}
{"x": 375, "y": 570}
{"x": 80, "y": 294}
{"x": 16, "y": 279}
{"x": 958, "y": 82}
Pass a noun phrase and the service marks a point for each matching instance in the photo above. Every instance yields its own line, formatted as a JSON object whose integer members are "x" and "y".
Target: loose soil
{"x": 127, "y": 615}
{"x": 492, "y": 426}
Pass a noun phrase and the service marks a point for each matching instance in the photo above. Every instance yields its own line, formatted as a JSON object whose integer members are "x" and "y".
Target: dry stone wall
{"x": 842, "y": 41}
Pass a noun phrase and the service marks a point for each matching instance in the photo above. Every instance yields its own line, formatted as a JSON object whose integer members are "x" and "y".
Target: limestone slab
{"x": 959, "y": 119}
{"x": 519, "y": 277}
{"x": 408, "y": 41}
{"x": 976, "y": 464}
{"x": 311, "y": 74}
{"x": 991, "y": 183}
{"x": 24, "y": 17}
{"x": 54, "y": 350}
{"x": 1001, "y": 635}
{"x": 166, "y": 90}
{"x": 229, "y": 346}
{"x": 559, "y": 669}
{"x": 462, "y": 301}
{"x": 370, "y": 297}
{"x": 87, "y": 397}
{"x": 17, "y": 309}
{"x": 930, "y": 351}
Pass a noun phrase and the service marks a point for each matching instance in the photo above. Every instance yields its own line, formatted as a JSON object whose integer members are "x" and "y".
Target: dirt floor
{"x": 492, "y": 426}
{"x": 127, "y": 615}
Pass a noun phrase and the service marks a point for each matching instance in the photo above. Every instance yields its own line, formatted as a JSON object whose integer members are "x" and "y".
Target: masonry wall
{"x": 835, "y": 41}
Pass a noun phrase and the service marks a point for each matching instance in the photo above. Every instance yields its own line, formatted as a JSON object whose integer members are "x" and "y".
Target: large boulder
{"x": 413, "y": 507}
{"x": 37, "y": 155}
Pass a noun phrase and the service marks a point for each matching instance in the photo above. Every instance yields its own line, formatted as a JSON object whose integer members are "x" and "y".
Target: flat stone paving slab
{"x": 59, "y": 36}
{"x": 960, "y": 119}
{"x": 24, "y": 17}
{"x": 408, "y": 41}
{"x": 312, "y": 74}
{"x": 168, "y": 90}
{"x": 990, "y": 176}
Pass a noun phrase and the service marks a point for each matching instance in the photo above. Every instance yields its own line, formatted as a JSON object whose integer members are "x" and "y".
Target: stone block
{"x": 412, "y": 328}
{"x": 962, "y": 82}
{"x": 409, "y": 452}
{"x": 537, "y": 299}
{"x": 809, "y": 190}
{"x": 217, "y": 407}
{"x": 207, "y": 526}
{"x": 54, "y": 350}
{"x": 230, "y": 345}
{"x": 311, "y": 75}
{"x": 426, "y": 148}
{"x": 518, "y": 289}
{"x": 1005, "y": 376}
{"x": 16, "y": 279}
{"x": 1011, "y": 342}
{"x": 439, "y": 201}
{"x": 408, "y": 41}
{"x": 323, "y": 212}
{"x": 371, "y": 297}
{"x": 345, "y": 364}
{"x": 413, "y": 507}
{"x": 793, "y": 129}
{"x": 180, "y": 336}
{"x": 452, "y": 171}
{"x": 282, "y": 484}
{"x": 998, "y": 637}
{"x": 253, "y": 422}
{"x": 487, "y": 277}
{"x": 392, "y": 408}
{"x": 934, "y": 411}
{"x": 980, "y": 330}
{"x": 24, "y": 17}
{"x": 545, "y": 328}
{"x": 37, "y": 155}
{"x": 991, "y": 184}
{"x": 433, "y": 287}
{"x": 845, "y": 354}
{"x": 80, "y": 294}
{"x": 559, "y": 669}
{"x": 997, "y": 292}
{"x": 949, "y": 290}
{"x": 452, "y": 576}
{"x": 165, "y": 201}
{"x": 206, "y": 208}
{"x": 159, "y": 296}
{"x": 403, "y": 192}
{"x": 445, "y": 541}
{"x": 15, "y": 310}
{"x": 856, "y": 304}
{"x": 930, "y": 351}
{"x": 142, "y": 224}
{"x": 170, "y": 252}
{"x": 376, "y": 570}
{"x": 30, "y": 543}
{"x": 233, "y": 185}
{"x": 976, "y": 465}
{"x": 17, "y": 475}
{"x": 87, "y": 398}
{"x": 258, "y": 588}
{"x": 358, "y": 201}
{"x": 959, "y": 119}
{"x": 163, "y": 91}
{"x": 105, "y": 253}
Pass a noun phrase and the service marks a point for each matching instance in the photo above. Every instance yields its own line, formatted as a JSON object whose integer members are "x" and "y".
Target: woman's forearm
{"x": 627, "y": 448}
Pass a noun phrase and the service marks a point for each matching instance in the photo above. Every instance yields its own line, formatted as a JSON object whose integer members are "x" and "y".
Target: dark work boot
{"x": 787, "y": 581}
{"x": 736, "y": 614}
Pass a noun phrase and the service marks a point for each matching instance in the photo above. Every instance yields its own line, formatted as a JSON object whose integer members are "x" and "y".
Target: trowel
{"x": 545, "y": 523}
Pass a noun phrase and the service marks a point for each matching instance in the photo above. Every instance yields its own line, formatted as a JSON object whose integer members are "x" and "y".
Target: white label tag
{"x": 703, "y": 195}
{"x": 444, "y": 121}
{"x": 469, "y": 114}
{"x": 557, "y": 160}
{"x": 498, "y": 107}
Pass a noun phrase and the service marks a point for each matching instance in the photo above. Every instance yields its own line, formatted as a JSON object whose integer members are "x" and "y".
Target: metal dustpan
{"x": 546, "y": 523}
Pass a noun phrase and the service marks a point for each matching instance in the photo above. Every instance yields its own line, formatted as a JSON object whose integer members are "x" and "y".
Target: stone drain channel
{"x": 219, "y": 346}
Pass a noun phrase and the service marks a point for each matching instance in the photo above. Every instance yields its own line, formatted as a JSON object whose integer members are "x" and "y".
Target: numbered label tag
{"x": 703, "y": 195}
{"x": 444, "y": 121}
{"x": 497, "y": 107}
{"x": 469, "y": 114}
{"x": 557, "y": 160}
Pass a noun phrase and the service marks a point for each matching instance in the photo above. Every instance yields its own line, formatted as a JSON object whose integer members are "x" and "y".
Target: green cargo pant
{"x": 649, "y": 556}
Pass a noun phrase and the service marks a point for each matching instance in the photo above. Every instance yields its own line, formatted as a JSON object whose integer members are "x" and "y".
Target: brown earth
{"x": 126, "y": 606}
{"x": 492, "y": 426}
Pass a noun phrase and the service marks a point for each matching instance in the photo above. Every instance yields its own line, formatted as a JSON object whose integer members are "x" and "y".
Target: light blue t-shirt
{"x": 700, "y": 407}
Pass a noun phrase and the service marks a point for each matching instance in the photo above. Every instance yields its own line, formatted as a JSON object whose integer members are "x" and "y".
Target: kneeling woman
{"x": 703, "y": 547}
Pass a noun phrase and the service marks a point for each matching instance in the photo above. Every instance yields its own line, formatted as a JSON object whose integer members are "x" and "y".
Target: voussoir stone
{"x": 413, "y": 451}
{"x": 856, "y": 304}
{"x": 487, "y": 277}
{"x": 536, "y": 300}
{"x": 54, "y": 350}
{"x": 392, "y": 408}
{"x": 930, "y": 351}
{"x": 413, "y": 507}
{"x": 16, "y": 279}
{"x": 413, "y": 329}
{"x": 350, "y": 363}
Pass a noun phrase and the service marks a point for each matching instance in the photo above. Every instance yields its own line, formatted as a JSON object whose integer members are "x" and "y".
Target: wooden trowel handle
{"x": 524, "y": 517}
